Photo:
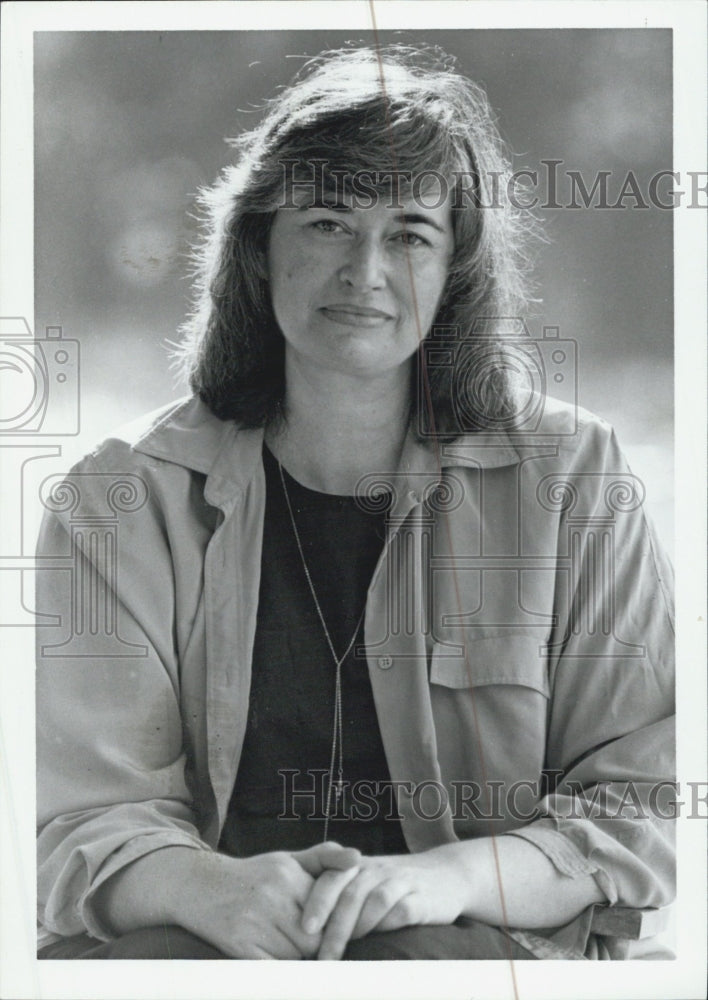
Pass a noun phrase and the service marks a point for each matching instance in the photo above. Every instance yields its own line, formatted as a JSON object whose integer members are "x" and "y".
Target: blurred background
{"x": 130, "y": 124}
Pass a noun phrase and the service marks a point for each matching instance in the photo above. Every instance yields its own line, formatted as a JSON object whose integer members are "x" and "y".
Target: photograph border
{"x": 21, "y": 975}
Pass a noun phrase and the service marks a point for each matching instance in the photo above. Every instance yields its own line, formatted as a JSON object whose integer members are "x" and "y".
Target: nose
{"x": 364, "y": 267}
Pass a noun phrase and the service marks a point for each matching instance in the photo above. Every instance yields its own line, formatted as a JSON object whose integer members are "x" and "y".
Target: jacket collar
{"x": 187, "y": 433}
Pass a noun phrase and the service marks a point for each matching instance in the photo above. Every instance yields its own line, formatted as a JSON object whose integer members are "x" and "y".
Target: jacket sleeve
{"x": 610, "y": 750}
{"x": 111, "y": 757}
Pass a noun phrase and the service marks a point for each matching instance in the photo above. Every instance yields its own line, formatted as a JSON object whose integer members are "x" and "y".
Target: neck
{"x": 338, "y": 428}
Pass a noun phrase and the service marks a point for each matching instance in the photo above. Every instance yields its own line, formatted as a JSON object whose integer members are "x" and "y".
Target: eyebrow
{"x": 416, "y": 219}
{"x": 407, "y": 218}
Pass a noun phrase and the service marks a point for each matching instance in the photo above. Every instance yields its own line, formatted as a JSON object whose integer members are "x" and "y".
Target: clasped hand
{"x": 381, "y": 894}
{"x": 311, "y": 903}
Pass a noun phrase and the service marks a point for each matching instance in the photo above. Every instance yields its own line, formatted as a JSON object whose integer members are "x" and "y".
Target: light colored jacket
{"x": 518, "y": 624}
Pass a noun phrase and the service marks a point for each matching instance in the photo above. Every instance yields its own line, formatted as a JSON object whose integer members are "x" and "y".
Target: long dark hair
{"x": 397, "y": 109}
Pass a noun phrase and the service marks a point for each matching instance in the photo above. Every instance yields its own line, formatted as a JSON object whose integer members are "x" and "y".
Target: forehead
{"x": 421, "y": 198}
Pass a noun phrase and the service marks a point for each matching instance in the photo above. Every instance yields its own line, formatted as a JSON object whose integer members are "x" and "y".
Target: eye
{"x": 327, "y": 226}
{"x": 409, "y": 239}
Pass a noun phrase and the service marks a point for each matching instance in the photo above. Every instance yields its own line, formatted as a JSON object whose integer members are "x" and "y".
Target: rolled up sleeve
{"x": 111, "y": 757}
{"x": 610, "y": 751}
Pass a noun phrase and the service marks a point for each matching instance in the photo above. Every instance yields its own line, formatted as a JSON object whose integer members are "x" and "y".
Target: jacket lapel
{"x": 396, "y": 649}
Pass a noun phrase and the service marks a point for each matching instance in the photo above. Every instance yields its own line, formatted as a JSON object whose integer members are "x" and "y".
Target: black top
{"x": 288, "y": 742}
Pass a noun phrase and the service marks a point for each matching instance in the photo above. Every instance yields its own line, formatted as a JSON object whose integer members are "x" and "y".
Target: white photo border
{"x": 21, "y": 976}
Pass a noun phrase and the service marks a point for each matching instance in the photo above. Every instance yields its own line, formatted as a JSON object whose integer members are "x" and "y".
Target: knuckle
{"x": 349, "y": 893}
{"x": 407, "y": 909}
{"x": 283, "y": 868}
{"x": 383, "y": 894}
{"x": 325, "y": 888}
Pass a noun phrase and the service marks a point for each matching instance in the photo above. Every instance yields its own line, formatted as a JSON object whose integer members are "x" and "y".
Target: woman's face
{"x": 354, "y": 290}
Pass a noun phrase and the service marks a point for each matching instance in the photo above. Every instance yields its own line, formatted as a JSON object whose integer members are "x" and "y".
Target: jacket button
{"x": 385, "y": 662}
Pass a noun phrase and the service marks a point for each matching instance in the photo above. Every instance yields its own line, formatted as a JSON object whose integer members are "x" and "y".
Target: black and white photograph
{"x": 353, "y": 444}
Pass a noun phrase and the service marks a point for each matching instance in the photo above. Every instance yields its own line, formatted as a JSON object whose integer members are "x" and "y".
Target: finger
{"x": 390, "y": 897}
{"x": 321, "y": 857}
{"x": 323, "y": 898}
{"x": 404, "y": 913}
{"x": 288, "y": 922}
{"x": 296, "y": 883}
{"x": 307, "y": 945}
{"x": 281, "y": 945}
{"x": 339, "y": 928}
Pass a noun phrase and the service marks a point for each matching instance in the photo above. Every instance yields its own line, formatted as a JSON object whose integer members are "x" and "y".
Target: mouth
{"x": 351, "y": 315}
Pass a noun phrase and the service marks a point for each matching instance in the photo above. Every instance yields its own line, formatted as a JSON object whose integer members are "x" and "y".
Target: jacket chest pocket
{"x": 489, "y": 660}
{"x": 491, "y": 707}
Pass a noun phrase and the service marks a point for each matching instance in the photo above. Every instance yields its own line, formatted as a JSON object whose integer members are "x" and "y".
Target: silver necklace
{"x": 337, "y": 752}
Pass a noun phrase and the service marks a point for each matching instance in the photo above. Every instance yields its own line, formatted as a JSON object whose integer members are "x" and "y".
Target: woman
{"x": 393, "y": 642}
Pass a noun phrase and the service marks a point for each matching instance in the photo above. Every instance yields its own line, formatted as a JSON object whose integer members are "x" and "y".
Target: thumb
{"x": 322, "y": 857}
